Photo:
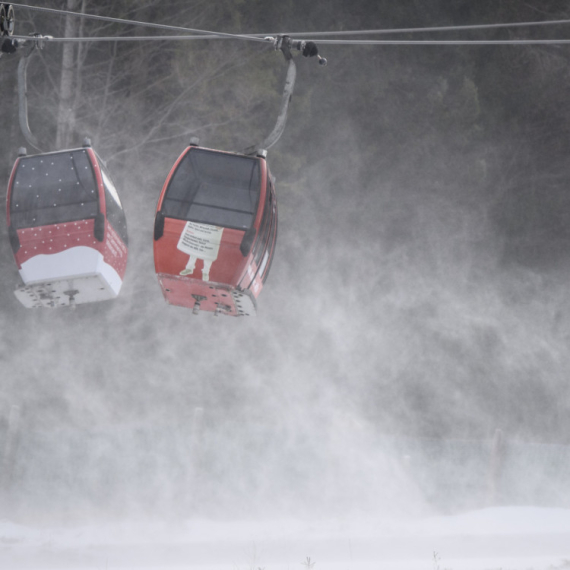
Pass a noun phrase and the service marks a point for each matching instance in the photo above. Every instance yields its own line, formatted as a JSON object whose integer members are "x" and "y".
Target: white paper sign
{"x": 201, "y": 240}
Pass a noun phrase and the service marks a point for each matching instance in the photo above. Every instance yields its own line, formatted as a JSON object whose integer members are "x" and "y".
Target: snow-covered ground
{"x": 506, "y": 538}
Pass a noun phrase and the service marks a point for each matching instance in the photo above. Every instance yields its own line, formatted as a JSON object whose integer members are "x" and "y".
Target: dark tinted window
{"x": 265, "y": 226}
{"x": 266, "y": 264}
{"x": 115, "y": 213}
{"x": 267, "y": 232}
{"x": 214, "y": 188}
{"x": 53, "y": 188}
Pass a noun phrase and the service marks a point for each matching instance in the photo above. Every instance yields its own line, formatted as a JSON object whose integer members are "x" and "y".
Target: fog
{"x": 410, "y": 353}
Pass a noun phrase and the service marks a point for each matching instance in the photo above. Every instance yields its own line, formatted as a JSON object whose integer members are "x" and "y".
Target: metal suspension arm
{"x": 23, "y": 100}
{"x": 285, "y": 44}
{"x": 8, "y": 45}
{"x": 277, "y": 131}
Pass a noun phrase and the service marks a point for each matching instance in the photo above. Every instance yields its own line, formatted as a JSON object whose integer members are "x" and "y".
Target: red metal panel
{"x": 169, "y": 258}
{"x": 115, "y": 251}
{"x": 55, "y": 238}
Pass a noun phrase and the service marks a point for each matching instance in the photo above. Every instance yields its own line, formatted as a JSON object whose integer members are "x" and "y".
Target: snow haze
{"x": 510, "y": 537}
{"x": 401, "y": 400}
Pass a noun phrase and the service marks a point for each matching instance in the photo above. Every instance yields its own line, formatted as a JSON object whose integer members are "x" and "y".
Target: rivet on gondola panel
{"x": 83, "y": 261}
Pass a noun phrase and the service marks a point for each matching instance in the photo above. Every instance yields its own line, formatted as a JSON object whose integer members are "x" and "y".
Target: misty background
{"x": 418, "y": 299}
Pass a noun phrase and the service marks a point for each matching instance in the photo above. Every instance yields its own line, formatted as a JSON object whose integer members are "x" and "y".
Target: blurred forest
{"x": 420, "y": 284}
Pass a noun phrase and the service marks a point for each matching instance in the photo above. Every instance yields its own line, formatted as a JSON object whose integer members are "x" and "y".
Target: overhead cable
{"x": 204, "y": 34}
{"x": 321, "y": 41}
{"x": 136, "y": 23}
{"x": 122, "y": 38}
{"x": 446, "y": 42}
{"x": 433, "y": 29}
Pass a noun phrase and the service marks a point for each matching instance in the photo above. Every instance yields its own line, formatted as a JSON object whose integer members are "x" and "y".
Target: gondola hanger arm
{"x": 35, "y": 42}
{"x": 285, "y": 44}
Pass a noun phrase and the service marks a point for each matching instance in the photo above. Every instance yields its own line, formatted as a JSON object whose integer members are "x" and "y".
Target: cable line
{"x": 445, "y": 42}
{"x": 204, "y": 34}
{"x": 124, "y": 38}
{"x": 136, "y": 23}
{"x": 321, "y": 41}
{"x": 434, "y": 29}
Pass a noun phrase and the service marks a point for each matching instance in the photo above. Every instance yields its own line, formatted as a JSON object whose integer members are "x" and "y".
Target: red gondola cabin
{"x": 67, "y": 229}
{"x": 215, "y": 231}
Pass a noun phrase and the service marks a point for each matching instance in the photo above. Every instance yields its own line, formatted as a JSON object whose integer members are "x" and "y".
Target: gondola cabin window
{"x": 115, "y": 213}
{"x": 265, "y": 264}
{"x": 264, "y": 228}
{"x": 51, "y": 189}
{"x": 213, "y": 188}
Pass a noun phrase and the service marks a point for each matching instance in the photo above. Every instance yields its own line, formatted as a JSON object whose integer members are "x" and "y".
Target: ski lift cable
{"x": 136, "y": 23}
{"x": 119, "y": 38}
{"x": 204, "y": 34}
{"x": 432, "y": 29}
{"x": 447, "y": 42}
{"x": 321, "y": 41}
{"x": 520, "y": 41}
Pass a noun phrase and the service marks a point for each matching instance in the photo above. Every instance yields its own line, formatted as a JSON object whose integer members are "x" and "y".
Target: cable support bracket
{"x": 285, "y": 44}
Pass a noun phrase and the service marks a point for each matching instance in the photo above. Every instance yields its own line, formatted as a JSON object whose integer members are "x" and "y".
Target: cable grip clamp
{"x": 286, "y": 44}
